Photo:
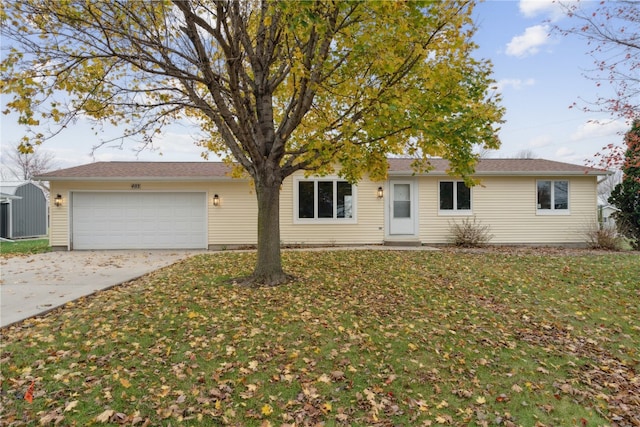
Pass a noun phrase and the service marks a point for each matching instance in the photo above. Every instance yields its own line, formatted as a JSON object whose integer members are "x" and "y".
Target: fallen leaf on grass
{"x": 70, "y": 406}
{"x": 382, "y": 327}
{"x": 324, "y": 378}
{"x": 51, "y": 418}
{"x": 266, "y": 409}
{"x": 105, "y": 416}
{"x": 28, "y": 396}
{"x": 444, "y": 419}
{"x": 337, "y": 375}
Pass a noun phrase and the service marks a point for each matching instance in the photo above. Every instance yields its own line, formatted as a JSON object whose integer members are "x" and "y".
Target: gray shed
{"x": 23, "y": 210}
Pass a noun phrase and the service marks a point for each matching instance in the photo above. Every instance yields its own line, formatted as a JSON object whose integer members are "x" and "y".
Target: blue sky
{"x": 539, "y": 75}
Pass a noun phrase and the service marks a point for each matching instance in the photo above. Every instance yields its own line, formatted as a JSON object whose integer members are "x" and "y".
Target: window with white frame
{"x": 455, "y": 197}
{"x": 552, "y": 196}
{"x": 324, "y": 199}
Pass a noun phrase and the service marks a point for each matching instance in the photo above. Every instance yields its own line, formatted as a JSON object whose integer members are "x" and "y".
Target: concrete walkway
{"x": 34, "y": 284}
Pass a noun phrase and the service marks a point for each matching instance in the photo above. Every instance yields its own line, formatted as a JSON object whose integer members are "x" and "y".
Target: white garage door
{"x": 139, "y": 220}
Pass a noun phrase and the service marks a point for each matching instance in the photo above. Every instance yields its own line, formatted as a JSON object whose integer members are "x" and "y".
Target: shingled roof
{"x": 188, "y": 171}
{"x": 211, "y": 171}
{"x": 501, "y": 167}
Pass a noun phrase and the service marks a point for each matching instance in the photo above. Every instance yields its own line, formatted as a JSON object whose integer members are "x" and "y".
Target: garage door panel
{"x": 139, "y": 220}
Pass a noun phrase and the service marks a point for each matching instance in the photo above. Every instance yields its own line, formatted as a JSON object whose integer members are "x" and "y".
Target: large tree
{"x": 626, "y": 195}
{"x": 277, "y": 87}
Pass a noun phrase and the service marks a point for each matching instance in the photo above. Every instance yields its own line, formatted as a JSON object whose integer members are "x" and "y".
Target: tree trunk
{"x": 268, "y": 270}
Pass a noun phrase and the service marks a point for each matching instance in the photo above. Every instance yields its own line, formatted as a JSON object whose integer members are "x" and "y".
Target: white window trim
{"x": 334, "y": 179}
{"x": 455, "y": 211}
{"x": 553, "y": 210}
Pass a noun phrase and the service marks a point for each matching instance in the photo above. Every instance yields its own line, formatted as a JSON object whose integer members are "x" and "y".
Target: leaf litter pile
{"x": 376, "y": 338}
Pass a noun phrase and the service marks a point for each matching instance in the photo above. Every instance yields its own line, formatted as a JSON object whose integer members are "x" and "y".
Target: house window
{"x": 553, "y": 196}
{"x": 325, "y": 199}
{"x": 455, "y": 197}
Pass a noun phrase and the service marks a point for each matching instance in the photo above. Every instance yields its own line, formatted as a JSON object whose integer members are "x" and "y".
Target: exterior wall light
{"x": 216, "y": 200}
{"x": 58, "y": 200}
{"x": 380, "y": 193}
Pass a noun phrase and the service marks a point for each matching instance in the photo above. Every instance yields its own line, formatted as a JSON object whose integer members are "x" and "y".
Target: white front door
{"x": 401, "y": 209}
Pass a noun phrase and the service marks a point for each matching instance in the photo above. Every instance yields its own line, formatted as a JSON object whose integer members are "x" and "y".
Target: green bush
{"x": 626, "y": 195}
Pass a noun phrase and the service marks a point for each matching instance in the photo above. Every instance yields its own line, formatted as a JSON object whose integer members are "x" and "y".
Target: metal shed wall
{"x": 29, "y": 214}
{"x": 5, "y": 224}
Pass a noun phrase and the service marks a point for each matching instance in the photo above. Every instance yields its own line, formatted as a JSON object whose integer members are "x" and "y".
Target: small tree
{"x": 611, "y": 31}
{"x": 526, "y": 154}
{"x": 626, "y": 195}
{"x": 25, "y": 165}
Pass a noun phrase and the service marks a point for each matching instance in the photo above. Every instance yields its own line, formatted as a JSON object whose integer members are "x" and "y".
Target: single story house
{"x": 23, "y": 210}
{"x": 127, "y": 205}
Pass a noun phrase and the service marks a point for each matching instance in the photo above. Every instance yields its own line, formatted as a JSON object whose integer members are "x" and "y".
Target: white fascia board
{"x": 145, "y": 179}
{"x": 517, "y": 173}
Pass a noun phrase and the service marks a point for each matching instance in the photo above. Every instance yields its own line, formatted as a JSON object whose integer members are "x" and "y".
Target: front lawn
{"x": 361, "y": 338}
{"x": 24, "y": 247}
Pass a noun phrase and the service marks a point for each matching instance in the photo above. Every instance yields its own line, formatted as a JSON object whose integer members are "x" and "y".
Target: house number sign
{"x": 135, "y": 186}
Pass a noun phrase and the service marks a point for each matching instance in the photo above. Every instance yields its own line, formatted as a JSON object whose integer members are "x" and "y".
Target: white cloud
{"x": 564, "y": 152}
{"x": 599, "y": 129}
{"x": 176, "y": 142}
{"x": 517, "y": 84}
{"x": 540, "y": 141}
{"x": 549, "y": 8}
{"x": 529, "y": 42}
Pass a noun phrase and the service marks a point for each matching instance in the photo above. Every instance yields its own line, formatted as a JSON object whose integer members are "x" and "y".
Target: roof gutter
{"x": 506, "y": 173}
{"x": 141, "y": 178}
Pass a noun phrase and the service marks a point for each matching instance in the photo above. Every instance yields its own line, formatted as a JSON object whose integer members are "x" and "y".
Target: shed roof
{"x": 6, "y": 196}
{"x": 211, "y": 171}
{"x": 10, "y": 187}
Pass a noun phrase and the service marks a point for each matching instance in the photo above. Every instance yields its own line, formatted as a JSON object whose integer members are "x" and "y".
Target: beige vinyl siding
{"x": 58, "y": 217}
{"x": 368, "y": 226}
{"x": 508, "y": 205}
{"x": 235, "y": 221}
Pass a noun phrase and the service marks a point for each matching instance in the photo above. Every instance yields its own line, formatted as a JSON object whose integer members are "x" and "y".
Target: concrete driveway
{"x": 34, "y": 284}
